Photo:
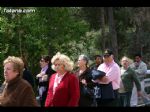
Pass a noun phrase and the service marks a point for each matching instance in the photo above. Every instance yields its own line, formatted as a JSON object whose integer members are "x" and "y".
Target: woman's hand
{"x": 95, "y": 81}
{"x": 44, "y": 77}
{"x": 83, "y": 81}
{"x": 39, "y": 75}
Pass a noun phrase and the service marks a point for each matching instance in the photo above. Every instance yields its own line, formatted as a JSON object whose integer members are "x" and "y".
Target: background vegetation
{"x": 73, "y": 31}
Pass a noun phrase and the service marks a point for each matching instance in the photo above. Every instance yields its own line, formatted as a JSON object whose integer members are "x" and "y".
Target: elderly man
{"x": 112, "y": 71}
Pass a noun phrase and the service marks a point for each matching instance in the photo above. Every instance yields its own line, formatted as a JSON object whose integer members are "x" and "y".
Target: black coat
{"x": 28, "y": 77}
{"x": 104, "y": 91}
{"x": 85, "y": 98}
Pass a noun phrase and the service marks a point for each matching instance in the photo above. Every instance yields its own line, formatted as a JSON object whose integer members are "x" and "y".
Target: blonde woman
{"x": 63, "y": 85}
{"x": 17, "y": 91}
{"x": 128, "y": 78}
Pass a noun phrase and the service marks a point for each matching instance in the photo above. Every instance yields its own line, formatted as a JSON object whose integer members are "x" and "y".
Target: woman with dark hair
{"x": 43, "y": 78}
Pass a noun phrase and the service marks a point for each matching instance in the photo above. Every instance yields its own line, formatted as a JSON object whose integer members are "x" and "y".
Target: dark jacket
{"x": 49, "y": 72}
{"x": 28, "y": 77}
{"x": 19, "y": 93}
{"x": 94, "y": 66}
{"x": 85, "y": 99}
{"x": 128, "y": 78}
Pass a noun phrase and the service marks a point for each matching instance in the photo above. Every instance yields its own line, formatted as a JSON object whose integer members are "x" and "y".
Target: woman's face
{"x": 43, "y": 63}
{"x": 59, "y": 67}
{"x": 9, "y": 72}
{"x": 81, "y": 62}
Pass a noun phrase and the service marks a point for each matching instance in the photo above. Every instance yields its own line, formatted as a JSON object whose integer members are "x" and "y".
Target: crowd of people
{"x": 104, "y": 84}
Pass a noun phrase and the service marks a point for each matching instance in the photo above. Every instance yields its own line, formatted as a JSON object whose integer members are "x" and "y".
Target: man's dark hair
{"x": 138, "y": 54}
{"x": 97, "y": 56}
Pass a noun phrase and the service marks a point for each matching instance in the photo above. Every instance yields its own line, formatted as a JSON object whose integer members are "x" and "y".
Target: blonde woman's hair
{"x": 18, "y": 64}
{"x": 128, "y": 59}
{"x": 64, "y": 59}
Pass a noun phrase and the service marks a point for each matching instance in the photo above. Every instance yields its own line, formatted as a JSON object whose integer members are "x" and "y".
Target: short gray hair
{"x": 84, "y": 57}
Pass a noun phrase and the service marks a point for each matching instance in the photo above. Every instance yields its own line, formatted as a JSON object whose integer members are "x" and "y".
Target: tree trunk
{"x": 113, "y": 33}
{"x": 102, "y": 20}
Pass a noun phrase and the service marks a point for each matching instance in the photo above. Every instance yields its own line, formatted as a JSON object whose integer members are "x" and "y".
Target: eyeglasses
{"x": 106, "y": 56}
{"x": 42, "y": 60}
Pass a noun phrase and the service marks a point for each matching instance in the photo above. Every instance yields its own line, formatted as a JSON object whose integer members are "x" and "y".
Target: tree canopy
{"x": 33, "y": 31}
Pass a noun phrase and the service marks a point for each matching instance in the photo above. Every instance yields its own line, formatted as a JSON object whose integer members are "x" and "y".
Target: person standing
{"x": 17, "y": 92}
{"x": 128, "y": 78}
{"x": 98, "y": 61}
{"x": 112, "y": 71}
{"x": 42, "y": 79}
{"x": 63, "y": 85}
{"x": 85, "y": 81}
{"x": 140, "y": 68}
{"x": 26, "y": 73}
{"x": 28, "y": 76}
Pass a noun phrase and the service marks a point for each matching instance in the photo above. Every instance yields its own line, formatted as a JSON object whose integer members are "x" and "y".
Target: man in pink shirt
{"x": 112, "y": 71}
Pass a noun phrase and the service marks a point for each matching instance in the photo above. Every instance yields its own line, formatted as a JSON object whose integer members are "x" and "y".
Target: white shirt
{"x": 57, "y": 80}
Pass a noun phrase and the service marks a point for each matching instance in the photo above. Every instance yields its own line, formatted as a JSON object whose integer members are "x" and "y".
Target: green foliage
{"x": 92, "y": 15}
{"x": 44, "y": 31}
{"x": 72, "y": 31}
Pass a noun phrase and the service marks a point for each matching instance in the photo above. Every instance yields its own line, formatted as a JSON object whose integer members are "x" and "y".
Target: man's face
{"x": 137, "y": 59}
{"x": 107, "y": 58}
{"x": 98, "y": 60}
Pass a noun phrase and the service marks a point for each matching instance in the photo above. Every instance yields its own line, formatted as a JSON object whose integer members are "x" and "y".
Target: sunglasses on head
{"x": 106, "y": 56}
{"x": 42, "y": 60}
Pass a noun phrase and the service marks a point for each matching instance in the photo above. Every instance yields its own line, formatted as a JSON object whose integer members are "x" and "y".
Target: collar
{"x": 125, "y": 68}
{"x": 139, "y": 62}
{"x": 109, "y": 64}
{"x": 44, "y": 68}
{"x": 13, "y": 81}
{"x": 60, "y": 76}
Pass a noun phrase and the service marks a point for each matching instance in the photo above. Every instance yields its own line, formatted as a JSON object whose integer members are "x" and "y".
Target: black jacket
{"x": 86, "y": 99}
{"x": 49, "y": 72}
{"x": 28, "y": 77}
